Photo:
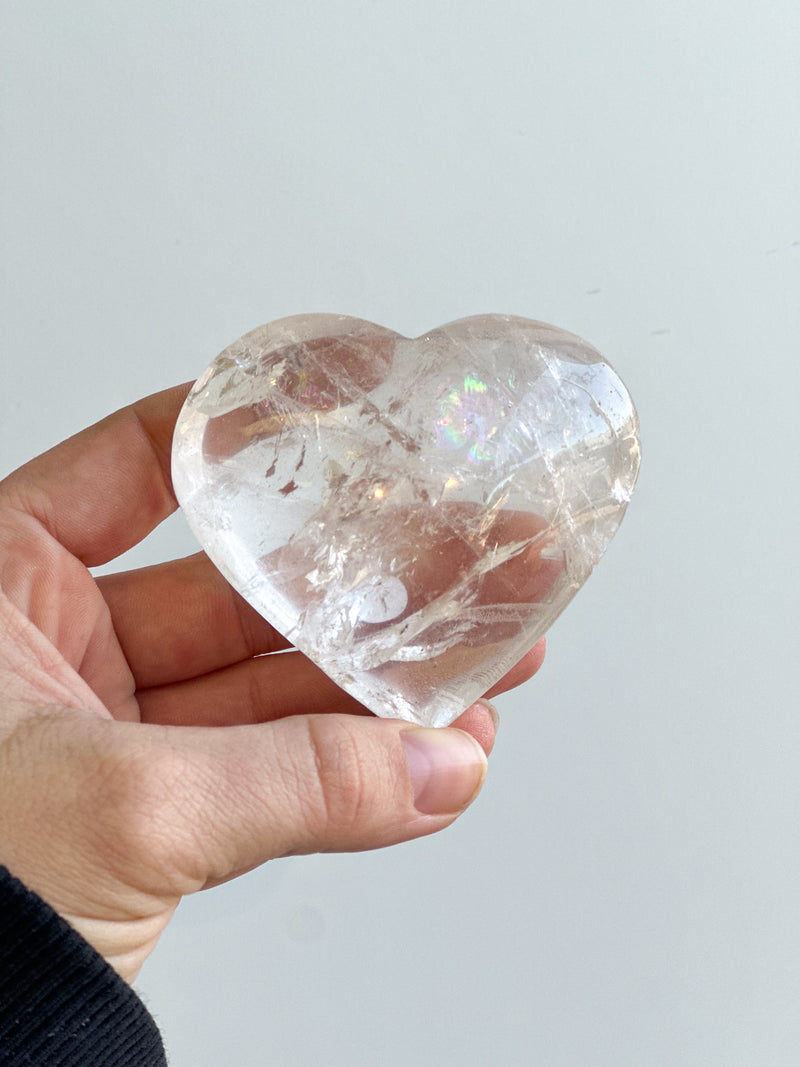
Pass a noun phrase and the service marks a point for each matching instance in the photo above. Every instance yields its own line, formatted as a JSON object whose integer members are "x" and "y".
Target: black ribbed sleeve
{"x": 61, "y": 1004}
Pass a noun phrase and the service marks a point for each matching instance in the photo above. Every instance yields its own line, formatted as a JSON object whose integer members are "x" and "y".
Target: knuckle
{"x": 344, "y": 794}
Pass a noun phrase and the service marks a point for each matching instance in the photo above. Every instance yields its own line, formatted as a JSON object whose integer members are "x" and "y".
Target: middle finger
{"x": 182, "y": 619}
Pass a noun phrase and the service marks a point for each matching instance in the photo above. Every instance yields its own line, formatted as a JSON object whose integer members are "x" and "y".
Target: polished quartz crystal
{"x": 412, "y": 514}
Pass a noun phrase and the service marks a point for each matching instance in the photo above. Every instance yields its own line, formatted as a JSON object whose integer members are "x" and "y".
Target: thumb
{"x": 317, "y": 783}
{"x": 112, "y": 822}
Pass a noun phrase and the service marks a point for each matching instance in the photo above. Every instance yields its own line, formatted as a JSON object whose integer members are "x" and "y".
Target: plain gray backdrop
{"x": 625, "y": 891}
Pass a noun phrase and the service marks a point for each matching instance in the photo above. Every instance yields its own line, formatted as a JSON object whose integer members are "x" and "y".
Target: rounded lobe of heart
{"x": 321, "y": 373}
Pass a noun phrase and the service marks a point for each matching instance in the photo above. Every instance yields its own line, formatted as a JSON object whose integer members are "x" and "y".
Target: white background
{"x": 625, "y": 891}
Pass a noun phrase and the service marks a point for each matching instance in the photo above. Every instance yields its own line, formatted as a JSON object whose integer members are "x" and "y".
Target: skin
{"x": 147, "y": 747}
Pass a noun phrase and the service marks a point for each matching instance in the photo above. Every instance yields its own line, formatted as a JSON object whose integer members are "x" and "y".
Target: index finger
{"x": 103, "y": 490}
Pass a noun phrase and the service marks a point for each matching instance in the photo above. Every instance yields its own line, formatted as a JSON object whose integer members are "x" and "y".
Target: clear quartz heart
{"x": 412, "y": 514}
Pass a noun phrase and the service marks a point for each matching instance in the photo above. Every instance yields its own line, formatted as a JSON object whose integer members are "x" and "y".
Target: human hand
{"x": 117, "y": 794}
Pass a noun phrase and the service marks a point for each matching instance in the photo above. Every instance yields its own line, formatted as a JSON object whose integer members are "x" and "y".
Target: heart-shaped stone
{"x": 411, "y": 514}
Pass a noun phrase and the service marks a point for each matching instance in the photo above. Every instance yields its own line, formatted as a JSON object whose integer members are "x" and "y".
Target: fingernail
{"x": 446, "y": 768}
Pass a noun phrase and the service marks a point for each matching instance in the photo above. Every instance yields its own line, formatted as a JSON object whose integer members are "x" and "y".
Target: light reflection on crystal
{"x": 412, "y": 514}
{"x": 469, "y": 416}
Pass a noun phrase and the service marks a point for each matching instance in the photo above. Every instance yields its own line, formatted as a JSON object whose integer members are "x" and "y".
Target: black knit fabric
{"x": 61, "y": 1004}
